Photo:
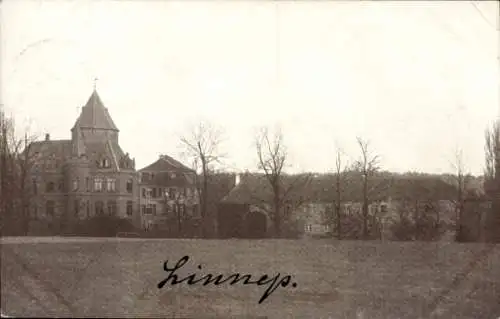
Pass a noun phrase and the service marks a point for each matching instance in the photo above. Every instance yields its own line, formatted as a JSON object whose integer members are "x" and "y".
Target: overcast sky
{"x": 418, "y": 79}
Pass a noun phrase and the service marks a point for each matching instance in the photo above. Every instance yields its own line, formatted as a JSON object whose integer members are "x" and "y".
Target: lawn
{"x": 348, "y": 279}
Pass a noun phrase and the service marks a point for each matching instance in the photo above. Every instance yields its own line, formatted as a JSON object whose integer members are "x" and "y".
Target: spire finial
{"x": 95, "y": 83}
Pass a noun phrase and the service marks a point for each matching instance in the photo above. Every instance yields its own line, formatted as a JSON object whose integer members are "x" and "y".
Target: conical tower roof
{"x": 95, "y": 115}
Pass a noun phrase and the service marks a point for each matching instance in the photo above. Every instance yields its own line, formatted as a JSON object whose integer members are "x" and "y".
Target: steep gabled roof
{"x": 95, "y": 115}
{"x": 58, "y": 148}
{"x": 166, "y": 164}
{"x": 111, "y": 151}
{"x": 165, "y": 179}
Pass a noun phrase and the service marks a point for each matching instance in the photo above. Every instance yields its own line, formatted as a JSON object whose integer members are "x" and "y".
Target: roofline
{"x": 165, "y": 171}
{"x": 49, "y": 141}
{"x": 95, "y": 128}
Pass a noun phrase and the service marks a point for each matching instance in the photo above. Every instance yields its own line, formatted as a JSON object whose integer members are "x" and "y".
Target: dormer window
{"x": 105, "y": 163}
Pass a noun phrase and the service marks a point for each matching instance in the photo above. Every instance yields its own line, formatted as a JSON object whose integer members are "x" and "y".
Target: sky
{"x": 418, "y": 80}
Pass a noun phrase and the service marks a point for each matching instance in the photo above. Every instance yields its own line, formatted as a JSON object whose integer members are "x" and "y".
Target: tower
{"x": 100, "y": 175}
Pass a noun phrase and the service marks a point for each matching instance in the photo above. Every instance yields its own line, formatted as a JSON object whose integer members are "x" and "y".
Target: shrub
{"x": 351, "y": 226}
{"x": 104, "y": 226}
{"x": 424, "y": 228}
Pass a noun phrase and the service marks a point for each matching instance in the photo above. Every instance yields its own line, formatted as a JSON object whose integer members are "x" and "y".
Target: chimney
{"x": 236, "y": 179}
{"x": 47, "y": 137}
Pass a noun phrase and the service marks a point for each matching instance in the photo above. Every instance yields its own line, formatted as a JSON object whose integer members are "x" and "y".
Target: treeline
{"x": 354, "y": 178}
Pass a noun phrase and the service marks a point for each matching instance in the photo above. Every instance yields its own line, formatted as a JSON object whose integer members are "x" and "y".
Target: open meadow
{"x": 347, "y": 279}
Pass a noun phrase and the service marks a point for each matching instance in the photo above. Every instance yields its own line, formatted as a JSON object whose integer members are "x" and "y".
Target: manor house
{"x": 84, "y": 176}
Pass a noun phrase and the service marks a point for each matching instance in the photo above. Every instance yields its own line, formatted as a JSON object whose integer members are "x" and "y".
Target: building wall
{"x": 156, "y": 210}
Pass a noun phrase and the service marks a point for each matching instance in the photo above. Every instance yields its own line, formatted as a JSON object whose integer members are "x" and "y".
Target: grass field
{"x": 110, "y": 277}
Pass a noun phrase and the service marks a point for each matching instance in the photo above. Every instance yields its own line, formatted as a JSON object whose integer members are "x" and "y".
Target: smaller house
{"x": 168, "y": 196}
{"x": 244, "y": 212}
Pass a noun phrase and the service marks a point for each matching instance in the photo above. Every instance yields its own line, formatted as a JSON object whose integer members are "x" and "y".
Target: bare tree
{"x": 341, "y": 173}
{"x": 461, "y": 181}
{"x": 272, "y": 158}
{"x": 202, "y": 146}
{"x": 16, "y": 162}
{"x": 492, "y": 149}
{"x": 367, "y": 165}
{"x": 492, "y": 180}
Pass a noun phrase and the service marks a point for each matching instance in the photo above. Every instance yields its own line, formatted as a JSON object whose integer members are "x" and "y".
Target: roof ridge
{"x": 113, "y": 155}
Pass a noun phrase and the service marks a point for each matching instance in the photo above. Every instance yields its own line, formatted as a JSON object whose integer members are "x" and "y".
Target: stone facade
{"x": 85, "y": 176}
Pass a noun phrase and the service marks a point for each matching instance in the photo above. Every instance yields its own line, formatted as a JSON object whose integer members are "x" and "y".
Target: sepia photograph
{"x": 250, "y": 159}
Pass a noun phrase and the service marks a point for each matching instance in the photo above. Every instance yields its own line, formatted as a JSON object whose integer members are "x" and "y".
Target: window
{"x": 49, "y": 187}
{"x": 87, "y": 183}
{"x": 35, "y": 212}
{"x": 111, "y": 184}
{"x": 154, "y": 192}
{"x": 35, "y": 186}
{"x": 112, "y": 208}
{"x": 75, "y": 184}
{"x": 49, "y": 208}
{"x": 308, "y": 228}
{"x": 150, "y": 209}
{"x": 143, "y": 190}
{"x": 87, "y": 204}
{"x": 129, "y": 186}
{"x": 171, "y": 192}
{"x": 99, "y": 208}
{"x": 77, "y": 207}
{"x": 383, "y": 208}
{"x": 144, "y": 177}
{"x": 105, "y": 163}
{"x": 143, "y": 209}
{"x": 149, "y": 193}
{"x": 173, "y": 176}
{"x": 182, "y": 209}
{"x": 61, "y": 185}
{"x": 129, "y": 208}
{"x": 98, "y": 184}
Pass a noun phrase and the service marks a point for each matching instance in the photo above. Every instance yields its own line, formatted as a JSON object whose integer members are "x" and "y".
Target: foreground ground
{"x": 111, "y": 277}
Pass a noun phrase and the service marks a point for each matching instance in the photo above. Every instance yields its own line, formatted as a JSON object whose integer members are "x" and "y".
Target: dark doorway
{"x": 256, "y": 223}
{"x": 230, "y": 220}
